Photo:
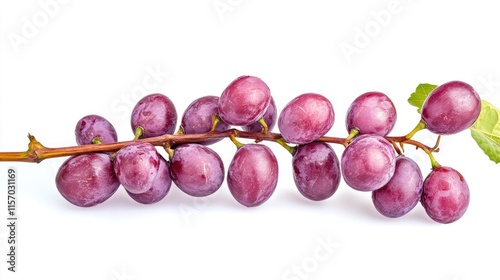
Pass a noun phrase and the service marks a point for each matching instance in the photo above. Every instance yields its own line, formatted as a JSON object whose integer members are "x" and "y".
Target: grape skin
{"x": 156, "y": 114}
{"x": 306, "y": 118}
{"x": 253, "y": 174}
{"x": 92, "y": 127}
{"x": 269, "y": 118}
{"x": 197, "y": 170}
{"x": 402, "y": 193}
{"x": 316, "y": 170}
{"x": 368, "y": 162}
{"x": 197, "y": 117}
{"x": 371, "y": 113}
{"x": 451, "y": 108}
{"x": 445, "y": 195}
{"x": 159, "y": 189}
{"x": 136, "y": 166}
{"x": 244, "y": 101}
{"x": 87, "y": 180}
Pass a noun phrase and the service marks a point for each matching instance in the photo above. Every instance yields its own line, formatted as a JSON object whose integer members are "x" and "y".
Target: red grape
{"x": 156, "y": 114}
{"x": 371, "y": 113}
{"x": 269, "y": 117}
{"x": 94, "y": 128}
{"x": 160, "y": 187}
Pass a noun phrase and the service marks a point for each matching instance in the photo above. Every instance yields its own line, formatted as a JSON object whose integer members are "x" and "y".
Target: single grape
{"x": 451, "y": 108}
{"x": 371, "y": 113}
{"x": 87, "y": 180}
{"x": 196, "y": 169}
{"x": 136, "y": 166}
{"x": 244, "y": 101}
{"x": 197, "y": 117}
{"x": 269, "y": 117}
{"x": 402, "y": 192}
{"x": 446, "y": 195}
{"x": 156, "y": 114}
{"x": 253, "y": 174}
{"x": 316, "y": 170}
{"x": 159, "y": 189}
{"x": 94, "y": 129}
{"x": 368, "y": 162}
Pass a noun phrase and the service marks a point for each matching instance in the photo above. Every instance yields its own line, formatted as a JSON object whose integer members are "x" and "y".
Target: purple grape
{"x": 94, "y": 129}
{"x": 136, "y": 166}
{"x": 197, "y": 117}
{"x": 451, "y": 108}
{"x": 244, "y": 101}
{"x": 306, "y": 118}
{"x": 159, "y": 189}
{"x": 253, "y": 174}
{"x": 316, "y": 170}
{"x": 403, "y": 191}
{"x": 269, "y": 117}
{"x": 446, "y": 195}
{"x": 371, "y": 113}
{"x": 197, "y": 170}
{"x": 87, "y": 180}
{"x": 368, "y": 162}
{"x": 156, "y": 114}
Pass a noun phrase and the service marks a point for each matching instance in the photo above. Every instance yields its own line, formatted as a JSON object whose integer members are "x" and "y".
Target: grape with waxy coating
{"x": 244, "y": 101}
{"x": 451, "y": 108}
{"x": 446, "y": 195}
{"x": 160, "y": 187}
{"x": 94, "y": 129}
{"x": 402, "y": 192}
{"x": 136, "y": 166}
{"x": 197, "y": 170}
{"x": 371, "y": 113}
{"x": 156, "y": 114}
{"x": 87, "y": 180}
{"x": 368, "y": 162}
{"x": 197, "y": 117}
{"x": 316, "y": 170}
{"x": 270, "y": 118}
{"x": 306, "y": 118}
{"x": 253, "y": 174}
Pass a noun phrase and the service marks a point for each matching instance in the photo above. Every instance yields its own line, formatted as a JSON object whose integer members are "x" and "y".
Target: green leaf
{"x": 486, "y": 131}
{"x": 418, "y": 97}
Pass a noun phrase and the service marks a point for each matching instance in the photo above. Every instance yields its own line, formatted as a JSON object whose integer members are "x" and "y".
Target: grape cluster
{"x": 371, "y": 161}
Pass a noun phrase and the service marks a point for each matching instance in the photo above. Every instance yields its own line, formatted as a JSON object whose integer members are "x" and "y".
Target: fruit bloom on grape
{"x": 156, "y": 114}
{"x": 403, "y": 191}
{"x": 316, "y": 170}
{"x": 94, "y": 127}
{"x": 87, "y": 180}
{"x": 269, "y": 117}
{"x": 371, "y": 113}
{"x": 451, "y": 108}
{"x": 368, "y": 162}
{"x": 253, "y": 174}
{"x": 244, "y": 101}
{"x": 446, "y": 195}
{"x": 159, "y": 189}
{"x": 306, "y": 118}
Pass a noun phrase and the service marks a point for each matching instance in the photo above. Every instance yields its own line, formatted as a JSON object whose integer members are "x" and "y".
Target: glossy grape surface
{"x": 136, "y": 166}
{"x": 451, "y": 108}
{"x": 197, "y": 170}
{"x": 446, "y": 195}
{"x": 316, "y": 170}
{"x": 95, "y": 127}
{"x": 270, "y": 118}
{"x": 402, "y": 192}
{"x": 160, "y": 187}
{"x": 244, "y": 101}
{"x": 306, "y": 118}
{"x": 253, "y": 174}
{"x": 368, "y": 162}
{"x": 87, "y": 180}
{"x": 156, "y": 114}
{"x": 371, "y": 113}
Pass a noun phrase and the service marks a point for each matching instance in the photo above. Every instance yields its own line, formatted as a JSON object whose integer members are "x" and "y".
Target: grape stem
{"x": 37, "y": 152}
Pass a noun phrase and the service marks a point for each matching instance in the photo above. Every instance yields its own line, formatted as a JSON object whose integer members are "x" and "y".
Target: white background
{"x": 62, "y": 60}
